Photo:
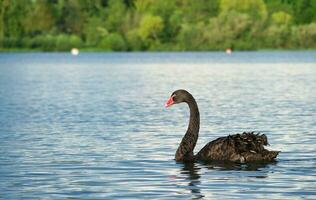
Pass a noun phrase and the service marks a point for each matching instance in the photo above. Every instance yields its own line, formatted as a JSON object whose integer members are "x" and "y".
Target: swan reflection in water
{"x": 191, "y": 172}
{"x": 253, "y": 166}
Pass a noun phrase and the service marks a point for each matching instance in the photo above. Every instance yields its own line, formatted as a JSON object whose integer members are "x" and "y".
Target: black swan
{"x": 241, "y": 148}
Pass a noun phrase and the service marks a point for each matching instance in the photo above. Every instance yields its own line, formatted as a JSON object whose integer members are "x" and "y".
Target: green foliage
{"x": 150, "y": 29}
{"x": 134, "y": 42}
{"x": 305, "y": 36}
{"x": 113, "y": 41}
{"x": 279, "y": 5}
{"x": 71, "y": 19}
{"x": 11, "y": 16}
{"x": 158, "y": 25}
{"x": 45, "y": 42}
{"x": 94, "y": 31}
{"x": 67, "y": 42}
{"x": 115, "y": 15}
{"x": 48, "y": 42}
{"x": 229, "y": 29}
{"x": 3, "y": 7}
{"x": 162, "y": 8}
{"x": 277, "y": 36}
{"x": 256, "y": 9}
{"x": 304, "y": 11}
{"x": 199, "y": 11}
{"x": 142, "y": 5}
{"x": 191, "y": 37}
{"x": 42, "y": 10}
{"x": 281, "y": 18}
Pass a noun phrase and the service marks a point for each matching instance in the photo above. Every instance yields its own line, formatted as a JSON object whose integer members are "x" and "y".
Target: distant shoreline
{"x": 171, "y": 51}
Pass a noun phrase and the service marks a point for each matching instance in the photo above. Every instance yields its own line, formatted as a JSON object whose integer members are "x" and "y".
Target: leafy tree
{"x": 3, "y": 7}
{"x": 304, "y": 11}
{"x": 277, "y": 36}
{"x": 257, "y": 12}
{"x": 199, "y": 11}
{"x": 142, "y": 6}
{"x": 12, "y": 14}
{"x": 94, "y": 31}
{"x": 256, "y": 9}
{"x": 71, "y": 17}
{"x": 305, "y": 35}
{"x": 279, "y": 5}
{"x": 228, "y": 29}
{"x": 191, "y": 37}
{"x": 42, "y": 14}
{"x": 115, "y": 13}
{"x": 281, "y": 18}
{"x": 150, "y": 29}
{"x": 93, "y": 8}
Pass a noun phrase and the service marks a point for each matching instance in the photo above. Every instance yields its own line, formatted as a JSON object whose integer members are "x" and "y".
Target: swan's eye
{"x": 174, "y": 97}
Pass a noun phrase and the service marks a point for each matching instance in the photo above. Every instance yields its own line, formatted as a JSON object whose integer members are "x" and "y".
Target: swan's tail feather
{"x": 251, "y": 147}
{"x": 250, "y": 142}
{"x": 272, "y": 155}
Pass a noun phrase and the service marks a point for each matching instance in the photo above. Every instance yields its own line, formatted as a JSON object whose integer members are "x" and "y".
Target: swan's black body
{"x": 241, "y": 148}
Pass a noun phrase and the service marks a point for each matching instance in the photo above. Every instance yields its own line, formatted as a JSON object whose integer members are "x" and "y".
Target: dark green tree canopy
{"x": 157, "y": 25}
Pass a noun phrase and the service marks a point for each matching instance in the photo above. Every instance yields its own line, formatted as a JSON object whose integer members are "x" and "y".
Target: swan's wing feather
{"x": 222, "y": 148}
{"x": 247, "y": 146}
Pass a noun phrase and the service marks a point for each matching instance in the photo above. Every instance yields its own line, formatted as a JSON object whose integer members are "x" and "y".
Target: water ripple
{"x": 94, "y": 126}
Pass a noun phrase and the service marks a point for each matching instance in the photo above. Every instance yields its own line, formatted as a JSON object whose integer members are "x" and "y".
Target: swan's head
{"x": 178, "y": 96}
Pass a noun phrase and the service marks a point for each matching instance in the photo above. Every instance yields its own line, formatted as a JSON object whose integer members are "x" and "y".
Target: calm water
{"x": 94, "y": 126}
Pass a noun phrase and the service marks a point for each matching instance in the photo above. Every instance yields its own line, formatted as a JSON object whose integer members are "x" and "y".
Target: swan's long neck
{"x": 186, "y": 147}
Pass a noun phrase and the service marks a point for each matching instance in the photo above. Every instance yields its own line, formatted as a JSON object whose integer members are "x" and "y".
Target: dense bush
{"x": 50, "y": 42}
{"x": 305, "y": 36}
{"x": 113, "y": 42}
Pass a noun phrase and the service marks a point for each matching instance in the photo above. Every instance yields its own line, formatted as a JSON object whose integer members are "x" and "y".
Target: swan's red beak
{"x": 169, "y": 102}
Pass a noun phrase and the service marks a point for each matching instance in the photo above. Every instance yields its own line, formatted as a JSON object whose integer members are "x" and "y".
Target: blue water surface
{"x": 94, "y": 126}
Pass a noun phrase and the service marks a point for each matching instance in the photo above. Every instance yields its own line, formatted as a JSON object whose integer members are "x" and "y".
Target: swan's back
{"x": 245, "y": 147}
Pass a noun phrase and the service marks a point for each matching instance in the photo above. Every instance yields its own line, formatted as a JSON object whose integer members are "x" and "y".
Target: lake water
{"x": 94, "y": 126}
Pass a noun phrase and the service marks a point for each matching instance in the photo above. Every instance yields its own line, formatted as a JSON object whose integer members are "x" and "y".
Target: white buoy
{"x": 229, "y": 51}
{"x": 74, "y": 51}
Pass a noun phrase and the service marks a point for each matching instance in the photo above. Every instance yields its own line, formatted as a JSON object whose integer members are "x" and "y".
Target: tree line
{"x": 157, "y": 25}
